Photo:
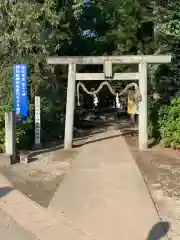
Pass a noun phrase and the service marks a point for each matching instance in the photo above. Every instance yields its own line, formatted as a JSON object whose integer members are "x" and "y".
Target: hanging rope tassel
{"x": 95, "y": 100}
{"x": 118, "y": 105}
{"x": 78, "y": 95}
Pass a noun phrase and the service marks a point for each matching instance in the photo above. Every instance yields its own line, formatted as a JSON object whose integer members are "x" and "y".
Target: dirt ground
{"x": 160, "y": 169}
{"x": 39, "y": 180}
{"x": 158, "y": 166}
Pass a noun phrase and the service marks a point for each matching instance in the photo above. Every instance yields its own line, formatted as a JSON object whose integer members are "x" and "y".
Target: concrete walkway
{"x": 103, "y": 197}
{"x": 9, "y": 229}
{"x": 20, "y": 214}
{"x": 104, "y": 194}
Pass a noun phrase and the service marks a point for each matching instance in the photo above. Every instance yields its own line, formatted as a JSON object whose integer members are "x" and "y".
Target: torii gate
{"x": 107, "y": 61}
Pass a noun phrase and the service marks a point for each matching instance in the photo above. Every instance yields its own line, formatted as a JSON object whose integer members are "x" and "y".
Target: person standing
{"x": 133, "y": 107}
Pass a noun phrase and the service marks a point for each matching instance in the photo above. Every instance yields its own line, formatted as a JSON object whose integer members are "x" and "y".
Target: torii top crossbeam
{"x": 114, "y": 59}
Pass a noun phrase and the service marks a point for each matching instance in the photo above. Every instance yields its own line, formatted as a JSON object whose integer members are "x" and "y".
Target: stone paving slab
{"x": 31, "y": 217}
{"x": 104, "y": 192}
{"x": 103, "y": 197}
{"x": 9, "y": 229}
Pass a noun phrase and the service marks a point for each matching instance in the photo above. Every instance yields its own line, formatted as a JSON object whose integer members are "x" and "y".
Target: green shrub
{"x": 169, "y": 124}
{"x": 22, "y": 133}
{"x": 25, "y": 134}
{"x": 153, "y": 111}
{"x": 2, "y": 133}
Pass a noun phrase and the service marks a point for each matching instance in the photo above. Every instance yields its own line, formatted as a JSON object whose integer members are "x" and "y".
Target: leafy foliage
{"x": 153, "y": 116}
{"x": 28, "y": 35}
{"x": 22, "y": 132}
{"x": 32, "y": 30}
{"x": 2, "y": 132}
{"x": 169, "y": 122}
{"x": 29, "y": 32}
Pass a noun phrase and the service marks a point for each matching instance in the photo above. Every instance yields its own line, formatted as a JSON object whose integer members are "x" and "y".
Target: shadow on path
{"x": 4, "y": 191}
{"x": 105, "y": 138}
{"x": 156, "y": 233}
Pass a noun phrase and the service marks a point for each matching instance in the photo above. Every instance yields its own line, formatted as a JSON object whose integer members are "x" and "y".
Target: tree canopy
{"x": 32, "y": 30}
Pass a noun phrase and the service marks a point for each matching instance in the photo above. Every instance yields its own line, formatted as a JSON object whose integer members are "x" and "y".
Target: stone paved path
{"x": 103, "y": 197}
{"x": 9, "y": 229}
{"x": 104, "y": 193}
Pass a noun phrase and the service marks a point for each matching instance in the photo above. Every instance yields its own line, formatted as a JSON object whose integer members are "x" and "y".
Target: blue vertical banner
{"x": 20, "y": 99}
